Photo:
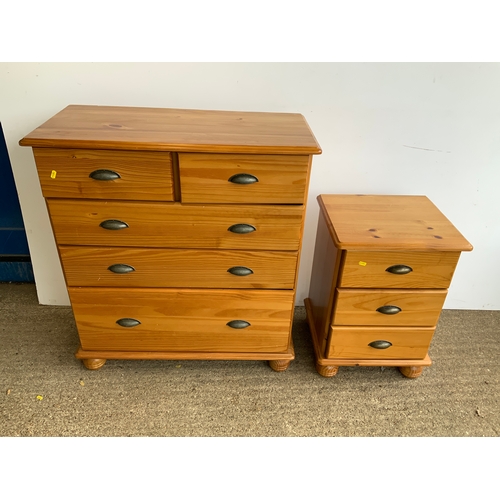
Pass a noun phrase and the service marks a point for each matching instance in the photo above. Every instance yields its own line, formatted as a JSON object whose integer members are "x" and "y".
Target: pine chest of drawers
{"x": 179, "y": 231}
{"x": 381, "y": 271}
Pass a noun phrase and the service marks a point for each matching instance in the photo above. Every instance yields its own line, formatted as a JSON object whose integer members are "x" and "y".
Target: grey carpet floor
{"x": 45, "y": 391}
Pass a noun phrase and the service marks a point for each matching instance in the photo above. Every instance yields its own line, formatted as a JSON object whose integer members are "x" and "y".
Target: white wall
{"x": 385, "y": 128}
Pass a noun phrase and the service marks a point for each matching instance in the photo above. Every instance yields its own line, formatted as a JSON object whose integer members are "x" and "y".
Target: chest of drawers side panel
{"x": 301, "y": 235}
{"x": 324, "y": 274}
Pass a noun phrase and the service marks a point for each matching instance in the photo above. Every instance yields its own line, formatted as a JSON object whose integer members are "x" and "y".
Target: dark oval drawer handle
{"x": 113, "y": 224}
{"x": 242, "y": 228}
{"x": 399, "y": 269}
{"x": 380, "y": 344}
{"x": 243, "y": 179}
{"x": 238, "y": 324}
{"x": 240, "y": 271}
{"x": 104, "y": 175}
{"x": 389, "y": 309}
{"x": 128, "y": 322}
{"x": 121, "y": 268}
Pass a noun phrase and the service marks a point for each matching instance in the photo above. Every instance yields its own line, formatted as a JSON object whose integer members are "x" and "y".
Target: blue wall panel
{"x": 15, "y": 263}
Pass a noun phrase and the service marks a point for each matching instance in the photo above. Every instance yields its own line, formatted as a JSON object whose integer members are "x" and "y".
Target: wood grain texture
{"x": 279, "y": 365}
{"x": 366, "y": 269}
{"x": 94, "y": 363}
{"x": 327, "y": 370}
{"x": 182, "y": 319}
{"x": 289, "y": 354}
{"x": 322, "y": 362}
{"x": 180, "y": 290}
{"x": 389, "y": 222}
{"x": 205, "y": 178}
{"x": 64, "y": 173}
{"x": 359, "y": 307}
{"x": 326, "y": 264}
{"x": 373, "y": 233}
{"x": 172, "y": 225}
{"x": 353, "y": 342}
{"x": 376, "y": 362}
{"x": 411, "y": 371}
{"x": 301, "y": 235}
{"x": 160, "y": 129}
{"x": 184, "y": 268}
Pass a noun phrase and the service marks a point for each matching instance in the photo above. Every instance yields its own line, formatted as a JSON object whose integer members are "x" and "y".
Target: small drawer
{"x": 379, "y": 343}
{"x": 149, "y": 267}
{"x": 388, "y": 307}
{"x": 233, "y": 178}
{"x": 397, "y": 269}
{"x": 172, "y": 225}
{"x": 101, "y": 174}
{"x": 182, "y": 320}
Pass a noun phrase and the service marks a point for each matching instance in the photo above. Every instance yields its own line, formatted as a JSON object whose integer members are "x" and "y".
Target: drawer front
{"x": 232, "y": 178}
{"x": 386, "y": 343}
{"x": 182, "y": 320}
{"x": 115, "y": 175}
{"x": 380, "y": 307}
{"x": 172, "y": 225}
{"x": 133, "y": 267}
{"x": 364, "y": 269}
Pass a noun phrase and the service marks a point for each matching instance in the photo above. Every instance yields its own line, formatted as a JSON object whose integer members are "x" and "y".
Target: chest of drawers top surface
{"x": 162, "y": 129}
{"x": 389, "y": 222}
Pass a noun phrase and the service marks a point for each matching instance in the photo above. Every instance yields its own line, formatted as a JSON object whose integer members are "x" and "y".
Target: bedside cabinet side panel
{"x": 326, "y": 264}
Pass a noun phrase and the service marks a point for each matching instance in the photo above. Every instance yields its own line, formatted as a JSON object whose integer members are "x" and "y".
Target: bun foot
{"x": 93, "y": 364}
{"x": 411, "y": 371}
{"x": 279, "y": 365}
{"x": 327, "y": 370}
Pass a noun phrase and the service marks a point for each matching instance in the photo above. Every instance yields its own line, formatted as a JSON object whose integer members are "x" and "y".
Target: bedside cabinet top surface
{"x": 162, "y": 129}
{"x": 389, "y": 222}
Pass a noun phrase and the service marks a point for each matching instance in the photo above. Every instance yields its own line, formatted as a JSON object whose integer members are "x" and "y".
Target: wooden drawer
{"x": 172, "y": 225}
{"x": 354, "y": 342}
{"x": 64, "y": 173}
{"x": 182, "y": 320}
{"x": 359, "y": 307}
{"x": 209, "y": 178}
{"x": 365, "y": 269}
{"x": 149, "y": 267}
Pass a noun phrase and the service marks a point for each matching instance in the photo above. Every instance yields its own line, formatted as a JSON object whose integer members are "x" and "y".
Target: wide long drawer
{"x": 182, "y": 320}
{"x": 352, "y": 342}
{"x": 238, "y": 178}
{"x": 173, "y": 225}
{"x": 365, "y": 269}
{"x": 113, "y": 175}
{"x": 184, "y": 268}
{"x": 388, "y": 307}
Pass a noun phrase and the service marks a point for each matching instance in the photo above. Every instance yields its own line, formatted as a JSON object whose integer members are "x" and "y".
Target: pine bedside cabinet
{"x": 179, "y": 231}
{"x": 382, "y": 266}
